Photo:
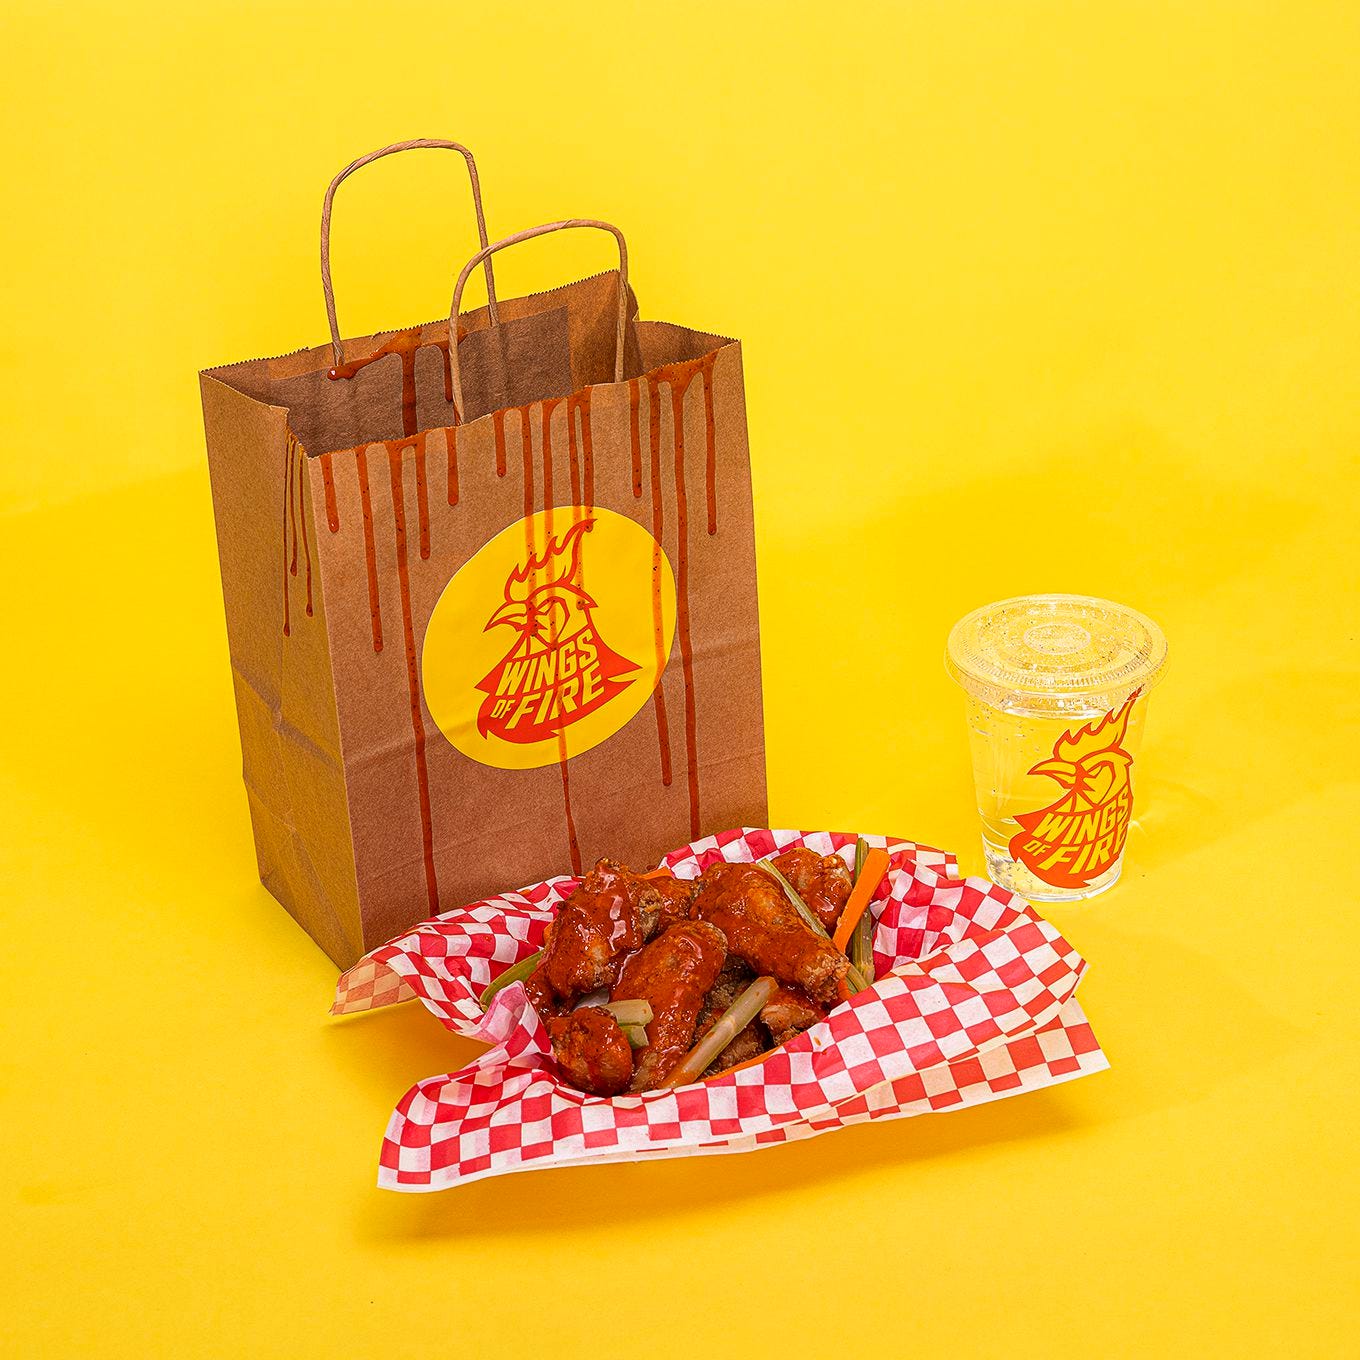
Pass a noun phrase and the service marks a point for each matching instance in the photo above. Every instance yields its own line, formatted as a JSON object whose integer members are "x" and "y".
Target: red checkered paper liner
{"x": 974, "y": 1001}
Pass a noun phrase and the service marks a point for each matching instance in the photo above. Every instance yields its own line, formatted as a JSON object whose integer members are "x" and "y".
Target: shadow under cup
{"x": 1057, "y": 689}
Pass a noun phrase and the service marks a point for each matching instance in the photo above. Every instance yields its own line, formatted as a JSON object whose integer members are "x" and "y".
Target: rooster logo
{"x": 559, "y": 668}
{"x": 1081, "y": 835}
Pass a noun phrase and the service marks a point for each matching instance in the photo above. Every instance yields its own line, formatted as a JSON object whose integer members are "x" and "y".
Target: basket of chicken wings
{"x": 753, "y": 988}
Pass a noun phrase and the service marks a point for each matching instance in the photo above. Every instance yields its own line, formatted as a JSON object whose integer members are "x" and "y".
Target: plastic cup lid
{"x": 1055, "y": 653}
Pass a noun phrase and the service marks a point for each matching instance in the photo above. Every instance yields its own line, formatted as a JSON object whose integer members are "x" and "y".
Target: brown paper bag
{"x": 491, "y": 606}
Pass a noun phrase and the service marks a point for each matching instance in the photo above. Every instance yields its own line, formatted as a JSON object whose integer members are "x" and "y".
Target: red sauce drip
{"x": 328, "y": 481}
{"x": 637, "y": 436}
{"x": 711, "y": 446}
{"x": 527, "y": 436}
{"x": 394, "y": 462}
{"x": 678, "y": 387}
{"x": 587, "y": 449}
{"x": 566, "y": 804}
{"x": 582, "y": 460}
{"x": 306, "y": 544}
{"x": 548, "y": 407}
{"x": 417, "y": 442}
{"x": 405, "y": 344}
{"x": 678, "y": 376}
{"x": 451, "y": 439}
{"x": 574, "y": 452}
{"x": 287, "y": 497}
{"x": 498, "y": 421}
{"x": 292, "y": 501}
{"x": 370, "y": 554}
{"x": 422, "y": 499}
{"x": 663, "y": 735}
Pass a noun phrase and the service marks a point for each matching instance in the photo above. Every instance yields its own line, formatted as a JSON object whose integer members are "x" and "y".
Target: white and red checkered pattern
{"x": 974, "y": 1001}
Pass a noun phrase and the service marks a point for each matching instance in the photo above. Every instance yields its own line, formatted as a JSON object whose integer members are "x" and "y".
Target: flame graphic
{"x": 559, "y": 669}
{"x": 1081, "y": 834}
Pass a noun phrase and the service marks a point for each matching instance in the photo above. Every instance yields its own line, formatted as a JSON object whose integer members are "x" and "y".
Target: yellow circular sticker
{"x": 549, "y": 638}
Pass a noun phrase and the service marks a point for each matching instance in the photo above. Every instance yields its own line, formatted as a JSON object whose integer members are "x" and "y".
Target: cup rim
{"x": 1010, "y": 693}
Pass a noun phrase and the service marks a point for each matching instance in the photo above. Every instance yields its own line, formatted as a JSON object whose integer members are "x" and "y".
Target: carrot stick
{"x": 875, "y": 866}
{"x": 862, "y": 937}
{"x": 742, "y": 1066}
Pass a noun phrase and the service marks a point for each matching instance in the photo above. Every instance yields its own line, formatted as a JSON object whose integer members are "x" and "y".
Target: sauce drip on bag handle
{"x": 420, "y": 143}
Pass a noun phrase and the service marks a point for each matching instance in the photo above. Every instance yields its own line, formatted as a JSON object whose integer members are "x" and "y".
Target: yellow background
{"x": 1035, "y": 296}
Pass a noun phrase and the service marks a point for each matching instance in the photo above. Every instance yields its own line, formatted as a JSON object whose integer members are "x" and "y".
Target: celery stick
{"x": 630, "y": 1012}
{"x": 731, "y": 1023}
{"x": 854, "y": 977}
{"x": 517, "y": 972}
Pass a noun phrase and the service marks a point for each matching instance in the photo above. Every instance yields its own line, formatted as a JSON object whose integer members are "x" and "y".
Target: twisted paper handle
{"x": 483, "y": 257}
{"x": 326, "y": 288}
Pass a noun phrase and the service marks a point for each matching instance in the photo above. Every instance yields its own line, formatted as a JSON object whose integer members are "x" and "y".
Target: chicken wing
{"x": 673, "y": 973}
{"x": 610, "y": 915}
{"x": 677, "y": 897}
{"x": 764, "y": 930}
{"x": 789, "y": 1012}
{"x": 734, "y": 979}
{"x": 822, "y": 881}
{"x": 592, "y": 1050}
{"x": 541, "y": 994}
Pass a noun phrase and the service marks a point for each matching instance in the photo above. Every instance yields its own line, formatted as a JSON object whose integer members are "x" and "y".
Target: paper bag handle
{"x": 422, "y": 142}
{"x": 484, "y": 256}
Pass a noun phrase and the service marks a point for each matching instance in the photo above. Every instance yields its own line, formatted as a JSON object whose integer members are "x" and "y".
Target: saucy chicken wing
{"x": 734, "y": 979}
{"x": 612, "y": 914}
{"x": 765, "y": 931}
{"x": 822, "y": 881}
{"x": 541, "y": 994}
{"x": 592, "y": 1050}
{"x": 673, "y": 974}
{"x": 677, "y": 897}
{"x": 789, "y": 1012}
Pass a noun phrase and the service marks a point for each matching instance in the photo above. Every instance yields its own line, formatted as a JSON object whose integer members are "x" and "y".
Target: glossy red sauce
{"x": 301, "y": 458}
{"x": 679, "y": 382}
{"x": 405, "y": 344}
{"x": 422, "y": 499}
{"x": 527, "y": 439}
{"x": 635, "y": 436}
{"x": 498, "y": 422}
{"x": 658, "y": 526}
{"x": 290, "y": 459}
{"x": 287, "y": 489}
{"x": 370, "y": 553}
{"x": 394, "y": 463}
{"x": 711, "y": 446}
{"x": 328, "y": 483}
{"x": 579, "y": 405}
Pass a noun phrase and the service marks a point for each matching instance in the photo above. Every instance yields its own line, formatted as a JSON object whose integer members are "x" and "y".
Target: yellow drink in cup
{"x": 1057, "y": 689}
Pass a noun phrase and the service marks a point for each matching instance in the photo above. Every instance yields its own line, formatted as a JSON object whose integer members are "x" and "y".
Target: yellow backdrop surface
{"x": 1034, "y": 297}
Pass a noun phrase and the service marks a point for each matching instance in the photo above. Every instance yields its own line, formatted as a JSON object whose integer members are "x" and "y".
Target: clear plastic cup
{"x": 1057, "y": 689}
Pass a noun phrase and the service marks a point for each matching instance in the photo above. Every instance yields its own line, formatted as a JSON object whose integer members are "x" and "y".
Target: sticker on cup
{"x": 1056, "y": 690}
